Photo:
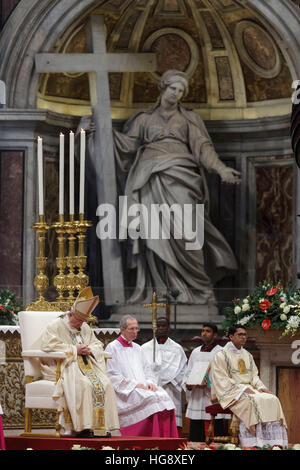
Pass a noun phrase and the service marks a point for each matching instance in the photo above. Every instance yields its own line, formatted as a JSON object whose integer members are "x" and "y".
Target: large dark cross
{"x": 97, "y": 63}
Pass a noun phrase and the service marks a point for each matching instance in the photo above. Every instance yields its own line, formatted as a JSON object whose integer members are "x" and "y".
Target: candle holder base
{"x": 41, "y": 305}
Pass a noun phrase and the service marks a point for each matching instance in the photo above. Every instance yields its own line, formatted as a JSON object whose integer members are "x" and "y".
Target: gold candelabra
{"x": 70, "y": 277}
{"x": 41, "y": 281}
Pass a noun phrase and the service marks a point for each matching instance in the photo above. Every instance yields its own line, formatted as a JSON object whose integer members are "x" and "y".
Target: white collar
{"x": 232, "y": 348}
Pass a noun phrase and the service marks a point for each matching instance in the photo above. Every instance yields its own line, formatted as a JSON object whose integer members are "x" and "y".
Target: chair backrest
{"x": 32, "y": 325}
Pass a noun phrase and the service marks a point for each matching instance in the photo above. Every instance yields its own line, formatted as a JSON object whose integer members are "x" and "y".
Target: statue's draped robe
{"x": 126, "y": 369}
{"x": 74, "y": 390}
{"x": 164, "y": 159}
{"x": 168, "y": 369}
{"x": 234, "y": 370}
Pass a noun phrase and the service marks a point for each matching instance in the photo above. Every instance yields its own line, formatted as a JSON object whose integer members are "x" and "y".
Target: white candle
{"x": 71, "y": 183}
{"x": 40, "y": 176}
{"x": 82, "y": 171}
{"x": 61, "y": 173}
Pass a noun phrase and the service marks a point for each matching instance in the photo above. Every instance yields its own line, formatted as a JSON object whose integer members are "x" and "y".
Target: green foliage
{"x": 9, "y": 307}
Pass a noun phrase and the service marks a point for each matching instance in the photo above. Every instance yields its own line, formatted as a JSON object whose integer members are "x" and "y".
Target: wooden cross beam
{"x": 97, "y": 63}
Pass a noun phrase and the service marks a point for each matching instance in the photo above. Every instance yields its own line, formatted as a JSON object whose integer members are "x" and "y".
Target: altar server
{"x": 199, "y": 395}
{"x": 168, "y": 365}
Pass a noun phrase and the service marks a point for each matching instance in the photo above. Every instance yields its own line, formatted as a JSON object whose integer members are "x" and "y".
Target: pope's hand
{"x": 229, "y": 175}
{"x": 83, "y": 349}
{"x": 248, "y": 390}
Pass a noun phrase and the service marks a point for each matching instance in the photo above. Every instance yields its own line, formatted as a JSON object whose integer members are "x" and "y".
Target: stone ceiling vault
{"x": 238, "y": 68}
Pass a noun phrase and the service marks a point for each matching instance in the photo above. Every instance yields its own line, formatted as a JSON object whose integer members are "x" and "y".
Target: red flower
{"x": 2, "y": 307}
{"x": 266, "y": 324}
{"x": 272, "y": 291}
{"x": 265, "y": 305}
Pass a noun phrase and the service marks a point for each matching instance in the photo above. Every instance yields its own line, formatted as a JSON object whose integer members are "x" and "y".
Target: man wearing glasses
{"x": 144, "y": 409}
{"x": 236, "y": 385}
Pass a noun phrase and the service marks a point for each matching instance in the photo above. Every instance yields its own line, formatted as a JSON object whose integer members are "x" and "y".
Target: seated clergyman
{"x": 144, "y": 408}
{"x": 84, "y": 388}
{"x": 237, "y": 386}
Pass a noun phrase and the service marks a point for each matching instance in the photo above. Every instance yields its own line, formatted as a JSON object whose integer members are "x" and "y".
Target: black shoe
{"x": 86, "y": 434}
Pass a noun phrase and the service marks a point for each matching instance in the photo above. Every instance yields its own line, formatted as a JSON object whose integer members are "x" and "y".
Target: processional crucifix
{"x": 98, "y": 63}
{"x": 154, "y": 307}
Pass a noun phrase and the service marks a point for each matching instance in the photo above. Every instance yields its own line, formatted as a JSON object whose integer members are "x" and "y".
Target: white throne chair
{"x": 38, "y": 392}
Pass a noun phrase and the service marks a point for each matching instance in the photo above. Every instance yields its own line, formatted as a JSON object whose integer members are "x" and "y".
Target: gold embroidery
{"x": 242, "y": 366}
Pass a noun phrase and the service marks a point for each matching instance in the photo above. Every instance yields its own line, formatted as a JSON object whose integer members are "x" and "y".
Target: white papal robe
{"x": 261, "y": 416}
{"x": 74, "y": 391}
{"x": 127, "y": 368}
{"x": 168, "y": 369}
{"x": 199, "y": 398}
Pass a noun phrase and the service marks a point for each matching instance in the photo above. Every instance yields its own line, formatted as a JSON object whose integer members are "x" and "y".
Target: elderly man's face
{"x": 74, "y": 321}
{"x": 173, "y": 93}
{"x": 131, "y": 331}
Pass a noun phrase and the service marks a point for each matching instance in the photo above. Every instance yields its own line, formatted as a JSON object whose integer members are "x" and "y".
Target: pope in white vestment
{"x": 236, "y": 385}
{"x": 168, "y": 368}
{"x": 84, "y": 388}
{"x": 139, "y": 399}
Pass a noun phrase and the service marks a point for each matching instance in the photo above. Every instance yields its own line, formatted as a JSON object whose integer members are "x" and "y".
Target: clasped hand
{"x": 83, "y": 349}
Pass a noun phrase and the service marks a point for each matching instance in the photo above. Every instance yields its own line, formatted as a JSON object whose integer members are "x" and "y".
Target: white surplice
{"x": 199, "y": 398}
{"x": 127, "y": 368}
{"x": 168, "y": 369}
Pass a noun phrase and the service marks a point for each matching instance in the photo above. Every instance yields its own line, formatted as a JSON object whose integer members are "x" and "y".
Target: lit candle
{"x": 40, "y": 176}
{"x": 71, "y": 183}
{"x": 82, "y": 171}
{"x": 61, "y": 173}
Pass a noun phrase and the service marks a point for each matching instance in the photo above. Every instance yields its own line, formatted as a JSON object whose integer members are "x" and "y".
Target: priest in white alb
{"x": 169, "y": 364}
{"x": 144, "y": 408}
{"x": 237, "y": 386}
{"x": 84, "y": 390}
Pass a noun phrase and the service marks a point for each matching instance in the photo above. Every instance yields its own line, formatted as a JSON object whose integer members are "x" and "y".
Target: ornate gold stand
{"x": 71, "y": 276}
{"x": 41, "y": 281}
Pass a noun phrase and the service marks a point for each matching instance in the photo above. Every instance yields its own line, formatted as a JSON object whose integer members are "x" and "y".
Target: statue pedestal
{"x": 188, "y": 317}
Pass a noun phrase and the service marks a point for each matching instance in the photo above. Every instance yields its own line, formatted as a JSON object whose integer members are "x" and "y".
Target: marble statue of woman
{"x": 163, "y": 151}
